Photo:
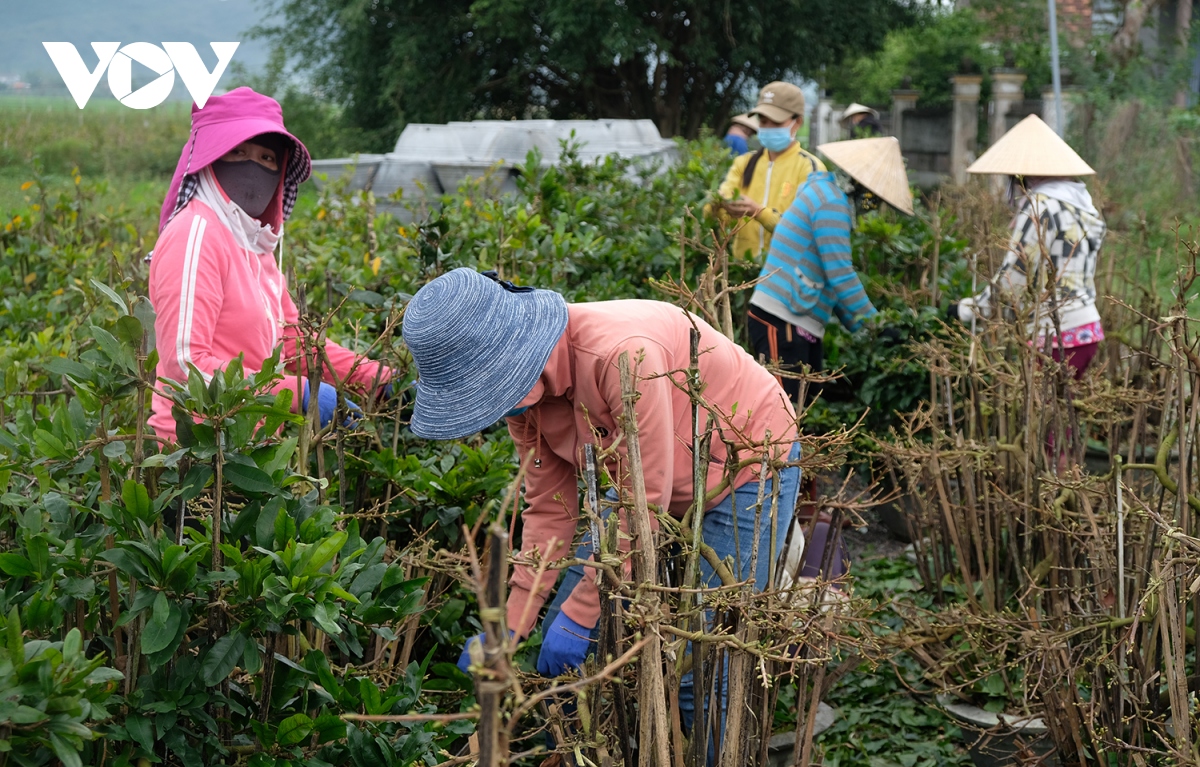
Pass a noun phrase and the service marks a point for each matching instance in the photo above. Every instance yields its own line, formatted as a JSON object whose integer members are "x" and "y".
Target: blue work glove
{"x": 464, "y": 660}
{"x": 565, "y": 646}
{"x": 327, "y": 398}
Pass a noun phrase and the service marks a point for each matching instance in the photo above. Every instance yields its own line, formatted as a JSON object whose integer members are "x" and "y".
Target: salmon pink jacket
{"x": 215, "y": 300}
{"x": 581, "y": 402}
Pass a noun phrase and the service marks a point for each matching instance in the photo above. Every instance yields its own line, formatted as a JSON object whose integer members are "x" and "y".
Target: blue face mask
{"x": 775, "y": 139}
{"x": 516, "y": 411}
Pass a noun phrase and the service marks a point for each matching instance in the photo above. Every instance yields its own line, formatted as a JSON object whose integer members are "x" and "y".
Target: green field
{"x": 132, "y": 152}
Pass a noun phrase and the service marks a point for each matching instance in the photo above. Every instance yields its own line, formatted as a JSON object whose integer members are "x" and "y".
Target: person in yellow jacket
{"x": 765, "y": 182}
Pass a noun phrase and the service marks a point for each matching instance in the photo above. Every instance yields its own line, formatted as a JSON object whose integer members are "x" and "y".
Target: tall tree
{"x": 681, "y": 63}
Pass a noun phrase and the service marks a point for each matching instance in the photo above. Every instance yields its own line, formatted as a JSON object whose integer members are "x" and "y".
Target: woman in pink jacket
{"x": 215, "y": 276}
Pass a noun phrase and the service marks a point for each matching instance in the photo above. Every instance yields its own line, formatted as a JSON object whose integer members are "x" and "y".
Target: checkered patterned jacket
{"x": 1050, "y": 264}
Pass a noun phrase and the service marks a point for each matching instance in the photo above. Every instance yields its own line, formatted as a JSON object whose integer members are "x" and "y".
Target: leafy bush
{"x": 53, "y": 694}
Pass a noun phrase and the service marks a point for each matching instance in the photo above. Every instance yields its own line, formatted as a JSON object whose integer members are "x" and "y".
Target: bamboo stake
{"x": 492, "y": 680}
{"x": 692, "y": 572}
{"x": 652, "y": 709}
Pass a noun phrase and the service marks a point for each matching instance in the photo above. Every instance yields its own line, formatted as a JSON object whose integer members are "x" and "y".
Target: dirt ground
{"x": 871, "y": 541}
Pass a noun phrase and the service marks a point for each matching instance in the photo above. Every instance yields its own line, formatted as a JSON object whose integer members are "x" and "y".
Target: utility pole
{"x": 1055, "y": 73}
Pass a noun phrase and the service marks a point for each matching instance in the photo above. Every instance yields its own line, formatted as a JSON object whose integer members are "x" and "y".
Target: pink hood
{"x": 223, "y": 123}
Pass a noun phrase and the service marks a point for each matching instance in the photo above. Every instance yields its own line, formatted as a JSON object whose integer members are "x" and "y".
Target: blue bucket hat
{"x": 480, "y": 345}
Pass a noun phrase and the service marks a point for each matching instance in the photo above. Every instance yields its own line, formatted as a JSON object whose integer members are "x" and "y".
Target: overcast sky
{"x": 28, "y": 23}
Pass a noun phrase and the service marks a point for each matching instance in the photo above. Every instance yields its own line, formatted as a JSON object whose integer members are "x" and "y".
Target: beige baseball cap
{"x": 778, "y": 101}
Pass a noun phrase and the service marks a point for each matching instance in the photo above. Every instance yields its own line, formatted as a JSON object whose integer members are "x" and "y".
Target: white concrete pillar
{"x": 818, "y": 131}
{"x": 903, "y": 99}
{"x": 1070, "y": 102}
{"x": 1008, "y": 90}
{"x": 965, "y": 125}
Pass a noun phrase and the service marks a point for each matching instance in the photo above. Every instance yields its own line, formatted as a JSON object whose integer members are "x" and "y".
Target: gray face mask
{"x": 248, "y": 184}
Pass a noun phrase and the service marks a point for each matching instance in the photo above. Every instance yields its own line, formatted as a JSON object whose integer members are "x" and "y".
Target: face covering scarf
{"x": 248, "y": 184}
{"x": 249, "y": 233}
{"x": 775, "y": 139}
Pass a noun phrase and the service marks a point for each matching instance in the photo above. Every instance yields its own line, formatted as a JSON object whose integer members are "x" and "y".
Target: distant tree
{"x": 682, "y": 63}
{"x": 928, "y": 54}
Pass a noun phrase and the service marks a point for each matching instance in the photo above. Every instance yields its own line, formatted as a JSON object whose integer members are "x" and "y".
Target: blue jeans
{"x": 718, "y": 532}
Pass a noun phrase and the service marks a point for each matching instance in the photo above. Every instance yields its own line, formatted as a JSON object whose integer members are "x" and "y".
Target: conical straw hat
{"x": 1031, "y": 148}
{"x": 746, "y": 121}
{"x": 858, "y": 109}
{"x": 876, "y": 164}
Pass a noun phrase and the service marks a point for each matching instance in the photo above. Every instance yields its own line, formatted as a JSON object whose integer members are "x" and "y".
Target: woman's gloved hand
{"x": 565, "y": 646}
{"x": 891, "y": 335}
{"x": 327, "y": 398}
{"x": 464, "y": 660}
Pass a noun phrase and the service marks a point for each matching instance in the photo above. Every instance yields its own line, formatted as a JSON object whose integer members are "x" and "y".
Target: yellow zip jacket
{"x": 773, "y": 186}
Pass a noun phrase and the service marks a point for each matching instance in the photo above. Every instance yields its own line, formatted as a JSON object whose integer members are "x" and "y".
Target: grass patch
{"x": 133, "y": 152}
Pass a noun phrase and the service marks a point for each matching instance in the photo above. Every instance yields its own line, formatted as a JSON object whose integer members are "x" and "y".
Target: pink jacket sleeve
{"x": 656, "y": 437}
{"x": 348, "y": 368}
{"x": 549, "y": 520}
{"x": 195, "y": 345}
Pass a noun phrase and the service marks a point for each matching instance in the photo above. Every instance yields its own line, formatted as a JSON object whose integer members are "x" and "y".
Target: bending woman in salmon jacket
{"x": 487, "y": 350}
{"x": 215, "y": 283}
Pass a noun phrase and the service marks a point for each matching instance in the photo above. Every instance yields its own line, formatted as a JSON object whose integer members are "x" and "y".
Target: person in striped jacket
{"x": 215, "y": 279}
{"x": 809, "y": 278}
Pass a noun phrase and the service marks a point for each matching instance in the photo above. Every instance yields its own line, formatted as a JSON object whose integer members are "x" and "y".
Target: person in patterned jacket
{"x": 1048, "y": 274}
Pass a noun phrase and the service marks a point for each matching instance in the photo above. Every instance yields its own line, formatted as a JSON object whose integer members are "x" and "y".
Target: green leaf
{"x": 114, "y": 449}
{"x": 62, "y": 366}
{"x": 28, "y": 715}
{"x": 326, "y": 550}
{"x": 252, "y": 659}
{"x": 294, "y": 729}
{"x": 66, "y": 752}
{"x": 249, "y": 478}
{"x": 50, "y": 445}
{"x": 16, "y": 565}
{"x": 330, "y": 727}
{"x": 72, "y": 645}
{"x": 136, "y": 499}
{"x": 368, "y": 297}
{"x": 141, "y": 730}
{"x": 16, "y": 643}
{"x": 325, "y": 616}
{"x": 162, "y": 628}
{"x": 222, "y": 657}
{"x": 104, "y": 675}
{"x": 127, "y": 562}
{"x": 162, "y": 608}
{"x": 129, "y": 331}
{"x": 112, "y": 296}
{"x": 264, "y": 529}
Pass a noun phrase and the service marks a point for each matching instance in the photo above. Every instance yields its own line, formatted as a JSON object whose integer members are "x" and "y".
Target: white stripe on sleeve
{"x": 187, "y": 296}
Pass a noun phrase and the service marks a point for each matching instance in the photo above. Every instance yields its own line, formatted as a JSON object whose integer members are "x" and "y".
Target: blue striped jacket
{"x": 808, "y": 275}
